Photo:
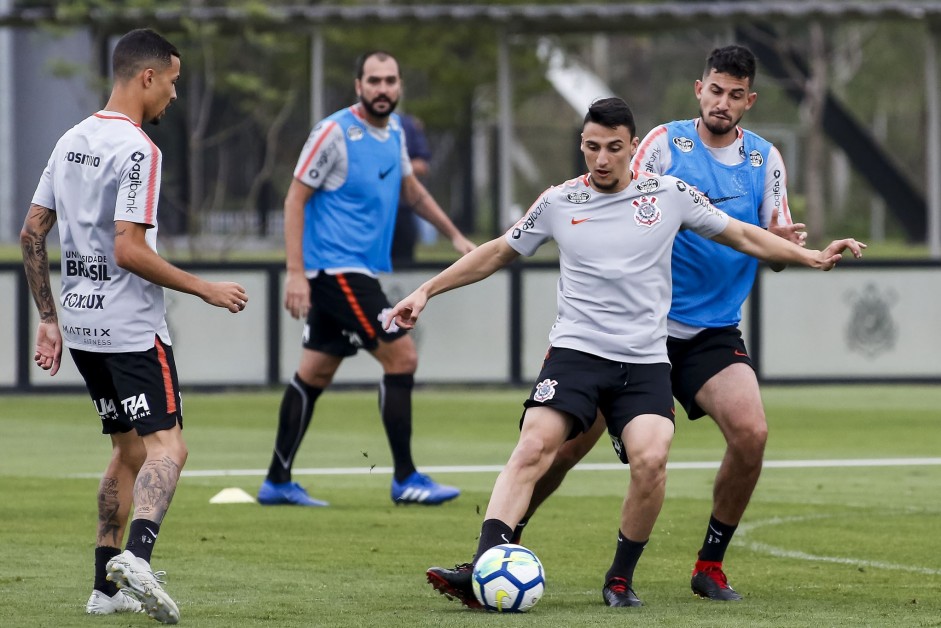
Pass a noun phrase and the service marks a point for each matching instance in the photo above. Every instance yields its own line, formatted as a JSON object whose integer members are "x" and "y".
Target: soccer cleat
{"x": 709, "y": 582}
{"x": 290, "y": 493}
{"x": 455, "y": 584}
{"x": 134, "y": 574}
{"x": 617, "y": 592}
{"x": 121, "y": 602}
{"x": 418, "y": 488}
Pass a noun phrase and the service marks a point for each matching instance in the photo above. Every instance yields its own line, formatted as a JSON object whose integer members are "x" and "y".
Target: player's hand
{"x": 226, "y": 294}
{"x": 793, "y": 232}
{"x": 48, "y": 354}
{"x": 405, "y": 313}
{"x": 296, "y": 294}
{"x": 829, "y": 257}
{"x": 462, "y": 245}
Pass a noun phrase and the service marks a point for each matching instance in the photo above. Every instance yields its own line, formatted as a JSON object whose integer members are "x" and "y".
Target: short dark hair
{"x": 734, "y": 60}
{"x": 137, "y": 49}
{"x": 611, "y": 112}
{"x": 382, "y": 55}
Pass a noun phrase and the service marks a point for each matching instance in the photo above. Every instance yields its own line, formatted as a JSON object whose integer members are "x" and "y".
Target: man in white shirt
{"x": 101, "y": 186}
{"x": 742, "y": 174}
{"x": 615, "y": 230}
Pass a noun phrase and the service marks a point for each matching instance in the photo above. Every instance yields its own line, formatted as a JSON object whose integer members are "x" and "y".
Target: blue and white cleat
{"x": 286, "y": 493}
{"x": 418, "y": 488}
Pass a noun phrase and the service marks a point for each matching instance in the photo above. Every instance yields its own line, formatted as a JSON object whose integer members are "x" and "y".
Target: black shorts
{"x": 136, "y": 390}
{"x": 581, "y": 384}
{"x": 696, "y": 360}
{"x": 346, "y": 314}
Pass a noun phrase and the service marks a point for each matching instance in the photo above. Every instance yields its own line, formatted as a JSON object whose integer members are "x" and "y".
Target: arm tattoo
{"x": 154, "y": 488}
{"x": 39, "y": 222}
{"x": 109, "y": 509}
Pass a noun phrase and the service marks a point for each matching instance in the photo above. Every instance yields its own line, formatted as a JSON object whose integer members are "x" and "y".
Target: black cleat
{"x": 709, "y": 582}
{"x": 617, "y": 592}
{"x": 455, "y": 584}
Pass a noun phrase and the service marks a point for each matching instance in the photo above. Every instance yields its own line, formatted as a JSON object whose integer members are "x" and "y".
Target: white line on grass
{"x": 495, "y": 468}
{"x": 745, "y": 528}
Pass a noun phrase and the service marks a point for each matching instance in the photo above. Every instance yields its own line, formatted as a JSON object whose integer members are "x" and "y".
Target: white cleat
{"x": 121, "y": 602}
{"x": 134, "y": 574}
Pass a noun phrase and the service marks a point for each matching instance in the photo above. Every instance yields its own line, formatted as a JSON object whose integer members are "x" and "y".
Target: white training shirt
{"x": 104, "y": 169}
{"x": 614, "y": 255}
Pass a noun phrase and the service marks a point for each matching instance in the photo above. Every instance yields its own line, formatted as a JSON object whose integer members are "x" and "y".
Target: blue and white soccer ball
{"x": 508, "y": 579}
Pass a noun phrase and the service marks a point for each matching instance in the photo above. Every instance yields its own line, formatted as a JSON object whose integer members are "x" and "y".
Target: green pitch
{"x": 821, "y": 545}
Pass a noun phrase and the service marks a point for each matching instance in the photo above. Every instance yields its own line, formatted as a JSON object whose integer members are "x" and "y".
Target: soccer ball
{"x": 508, "y": 579}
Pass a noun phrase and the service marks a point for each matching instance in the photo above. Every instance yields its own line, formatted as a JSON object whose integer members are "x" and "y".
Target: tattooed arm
{"x": 39, "y": 222}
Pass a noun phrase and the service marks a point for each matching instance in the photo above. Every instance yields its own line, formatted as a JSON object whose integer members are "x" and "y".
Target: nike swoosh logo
{"x": 716, "y": 201}
{"x": 503, "y": 536}
{"x": 716, "y": 532}
{"x": 576, "y": 222}
{"x": 151, "y": 531}
{"x": 741, "y": 353}
{"x": 385, "y": 173}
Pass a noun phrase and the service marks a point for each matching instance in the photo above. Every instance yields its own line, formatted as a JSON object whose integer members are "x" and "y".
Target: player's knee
{"x": 531, "y": 452}
{"x": 168, "y": 445}
{"x": 182, "y": 452}
{"x": 130, "y": 457}
{"x": 406, "y": 365}
{"x": 128, "y": 451}
{"x": 748, "y": 442}
{"x": 649, "y": 467}
{"x": 315, "y": 378}
{"x": 401, "y": 362}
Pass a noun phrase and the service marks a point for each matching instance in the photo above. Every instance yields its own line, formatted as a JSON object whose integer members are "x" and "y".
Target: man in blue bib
{"x": 339, "y": 216}
{"x": 743, "y": 175}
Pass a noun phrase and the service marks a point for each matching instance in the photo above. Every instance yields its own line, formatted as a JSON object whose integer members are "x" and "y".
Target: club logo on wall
{"x": 871, "y": 330}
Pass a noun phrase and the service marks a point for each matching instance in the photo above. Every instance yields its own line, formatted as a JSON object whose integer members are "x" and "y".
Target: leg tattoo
{"x": 154, "y": 488}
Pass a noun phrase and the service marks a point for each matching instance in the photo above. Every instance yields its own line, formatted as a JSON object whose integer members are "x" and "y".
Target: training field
{"x": 843, "y": 529}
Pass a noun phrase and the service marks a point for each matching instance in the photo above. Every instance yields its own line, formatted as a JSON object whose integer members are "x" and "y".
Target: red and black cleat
{"x": 455, "y": 584}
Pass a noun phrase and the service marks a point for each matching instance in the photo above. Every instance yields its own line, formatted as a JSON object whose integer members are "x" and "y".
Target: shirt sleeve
{"x": 533, "y": 229}
{"x": 322, "y": 151}
{"x": 653, "y": 154}
{"x": 44, "y": 195}
{"x": 139, "y": 185}
{"x": 699, "y": 215}
{"x": 405, "y": 159}
{"x": 775, "y": 194}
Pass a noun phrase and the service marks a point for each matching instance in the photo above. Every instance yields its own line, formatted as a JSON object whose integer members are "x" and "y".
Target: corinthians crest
{"x": 871, "y": 329}
{"x": 545, "y": 390}
{"x": 646, "y": 214}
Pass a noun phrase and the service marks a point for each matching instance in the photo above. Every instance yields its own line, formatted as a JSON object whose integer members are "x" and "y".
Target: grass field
{"x": 822, "y": 544}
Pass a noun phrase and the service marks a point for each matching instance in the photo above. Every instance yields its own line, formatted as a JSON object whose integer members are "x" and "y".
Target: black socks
{"x": 102, "y": 555}
{"x": 297, "y": 409}
{"x": 141, "y": 538}
{"x": 493, "y": 532}
{"x": 395, "y": 405}
{"x": 718, "y": 537}
{"x": 625, "y": 559}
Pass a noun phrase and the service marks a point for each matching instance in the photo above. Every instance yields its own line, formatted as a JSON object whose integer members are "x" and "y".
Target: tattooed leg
{"x": 115, "y": 491}
{"x": 156, "y": 482}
